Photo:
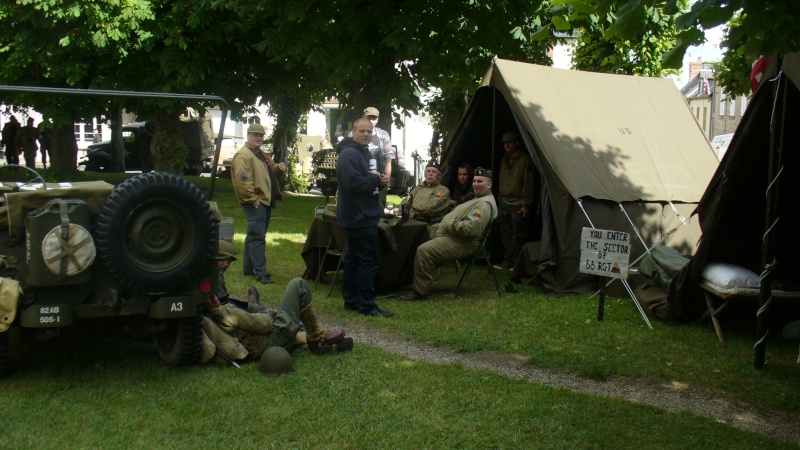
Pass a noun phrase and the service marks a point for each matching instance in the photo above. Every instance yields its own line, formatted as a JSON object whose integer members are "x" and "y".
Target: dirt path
{"x": 778, "y": 425}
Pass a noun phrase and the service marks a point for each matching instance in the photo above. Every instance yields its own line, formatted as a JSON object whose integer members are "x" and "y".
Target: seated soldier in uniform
{"x": 242, "y": 331}
{"x": 429, "y": 201}
{"x": 458, "y": 235}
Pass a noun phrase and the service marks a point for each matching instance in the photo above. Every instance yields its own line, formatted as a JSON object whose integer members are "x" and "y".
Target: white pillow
{"x": 728, "y": 276}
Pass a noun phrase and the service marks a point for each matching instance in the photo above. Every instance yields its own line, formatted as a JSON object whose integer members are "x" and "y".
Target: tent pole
{"x": 683, "y": 221}
{"x": 768, "y": 261}
{"x": 494, "y": 124}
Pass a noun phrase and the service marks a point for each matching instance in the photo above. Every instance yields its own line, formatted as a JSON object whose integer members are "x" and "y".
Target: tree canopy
{"x": 755, "y": 27}
{"x": 384, "y": 53}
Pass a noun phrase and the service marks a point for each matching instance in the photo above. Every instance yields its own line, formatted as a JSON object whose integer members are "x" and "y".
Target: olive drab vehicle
{"x": 76, "y": 254}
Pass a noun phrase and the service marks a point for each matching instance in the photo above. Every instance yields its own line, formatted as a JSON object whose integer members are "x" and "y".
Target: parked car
{"x": 197, "y": 136}
{"x": 230, "y": 145}
{"x": 98, "y": 156}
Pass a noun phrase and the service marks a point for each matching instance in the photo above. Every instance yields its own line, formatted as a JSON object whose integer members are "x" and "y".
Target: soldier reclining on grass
{"x": 243, "y": 333}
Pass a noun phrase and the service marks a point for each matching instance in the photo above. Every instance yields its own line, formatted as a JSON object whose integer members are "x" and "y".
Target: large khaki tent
{"x": 610, "y": 150}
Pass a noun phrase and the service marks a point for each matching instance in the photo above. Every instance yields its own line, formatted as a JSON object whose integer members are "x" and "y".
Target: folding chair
{"x": 482, "y": 253}
{"x": 336, "y": 248}
{"x": 318, "y": 210}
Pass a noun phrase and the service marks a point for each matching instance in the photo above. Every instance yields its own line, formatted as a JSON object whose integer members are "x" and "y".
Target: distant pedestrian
{"x": 26, "y": 143}
{"x": 45, "y": 142}
{"x": 96, "y": 136}
{"x": 10, "y": 131}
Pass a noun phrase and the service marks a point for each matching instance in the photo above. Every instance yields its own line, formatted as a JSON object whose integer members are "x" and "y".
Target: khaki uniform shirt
{"x": 429, "y": 203}
{"x": 250, "y": 176}
{"x": 468, "y": 220}
{"x": 250, "y": 331}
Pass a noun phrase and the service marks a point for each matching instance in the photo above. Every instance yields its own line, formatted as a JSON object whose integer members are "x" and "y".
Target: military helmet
{"x": 275, "y": 362}
{"x": 226, "y": 251}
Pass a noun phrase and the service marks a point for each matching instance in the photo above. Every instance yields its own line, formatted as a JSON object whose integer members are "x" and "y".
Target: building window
{"x": 732, "y": 109}
{"x": 722, "y": 102}
{"x": 744, "y": 105}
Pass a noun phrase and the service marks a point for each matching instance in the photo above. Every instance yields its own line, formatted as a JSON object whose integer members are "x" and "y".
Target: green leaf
{"x": 542, "y": 34}
{"x": 517, "y": 33}
{"x": 561, "y": 24}
{"x": 671, "y": 7}
{"x": 630, "y": 21}
{"x": 713, "y": 16}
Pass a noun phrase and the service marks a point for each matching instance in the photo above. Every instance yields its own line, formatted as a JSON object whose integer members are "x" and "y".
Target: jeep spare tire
{"x": 155, "y": 232}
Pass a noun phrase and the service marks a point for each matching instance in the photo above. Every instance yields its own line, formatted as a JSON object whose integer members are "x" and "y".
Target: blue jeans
{"x": 254, "y": 260}
{"x": 360, "y": 268}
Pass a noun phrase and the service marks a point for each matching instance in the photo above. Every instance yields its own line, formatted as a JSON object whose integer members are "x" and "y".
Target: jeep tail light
{"x": 205, "y": 286}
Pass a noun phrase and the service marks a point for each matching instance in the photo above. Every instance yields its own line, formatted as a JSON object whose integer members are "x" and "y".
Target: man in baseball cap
{"x": 380, "y": 145}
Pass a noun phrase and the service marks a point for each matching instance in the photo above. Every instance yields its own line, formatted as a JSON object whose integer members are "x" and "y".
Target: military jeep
{"x": 81, "y": 251}
{"x": 89, "y": 253}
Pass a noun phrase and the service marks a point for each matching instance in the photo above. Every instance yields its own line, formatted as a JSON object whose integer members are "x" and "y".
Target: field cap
{"x": 256, "y": 128}
{"x": 371, "y": 111}
{"x": 509, "y": 137}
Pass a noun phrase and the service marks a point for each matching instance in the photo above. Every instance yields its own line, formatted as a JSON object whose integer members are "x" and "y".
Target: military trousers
{"x": 434, "y": 254}
{"x": 514, "y": 229}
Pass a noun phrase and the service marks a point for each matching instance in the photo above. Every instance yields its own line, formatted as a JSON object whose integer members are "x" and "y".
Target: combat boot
{"x": 316, "y": 335}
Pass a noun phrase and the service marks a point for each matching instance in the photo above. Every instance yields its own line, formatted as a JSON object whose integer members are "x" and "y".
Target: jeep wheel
{"x": 3, "y": 352}
{"x": 155, "y": 232}
{"x": 179, "y": 340}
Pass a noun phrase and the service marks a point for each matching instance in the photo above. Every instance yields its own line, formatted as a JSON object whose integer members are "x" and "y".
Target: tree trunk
{"x": 64, "y": 152}
{"x": 167, "y": 147}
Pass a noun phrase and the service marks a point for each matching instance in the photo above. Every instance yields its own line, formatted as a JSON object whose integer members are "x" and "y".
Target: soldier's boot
{"x": 320, "y": 340}
{"x": 253, "y": 296}
{"x": 254, "y": 301}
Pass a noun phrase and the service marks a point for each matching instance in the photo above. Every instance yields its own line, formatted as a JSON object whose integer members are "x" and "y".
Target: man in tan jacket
{"x": 254, "y": 178}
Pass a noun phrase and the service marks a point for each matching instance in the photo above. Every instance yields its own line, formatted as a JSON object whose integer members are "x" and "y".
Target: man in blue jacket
{"x": 358, "y": 210}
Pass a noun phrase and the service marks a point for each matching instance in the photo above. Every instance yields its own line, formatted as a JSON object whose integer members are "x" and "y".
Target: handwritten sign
{"x": 605, "y": 252}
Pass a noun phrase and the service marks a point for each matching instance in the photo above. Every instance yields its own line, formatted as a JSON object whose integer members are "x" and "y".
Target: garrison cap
{"x": 481, "y": 172}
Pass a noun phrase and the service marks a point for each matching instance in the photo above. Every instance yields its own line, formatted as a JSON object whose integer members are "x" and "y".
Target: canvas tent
{"x": 733, "y": 210}
{"x": 626, "y": 147}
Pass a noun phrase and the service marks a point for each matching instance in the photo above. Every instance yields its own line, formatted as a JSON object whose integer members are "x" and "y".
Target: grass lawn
{"x": 114, "y": 392}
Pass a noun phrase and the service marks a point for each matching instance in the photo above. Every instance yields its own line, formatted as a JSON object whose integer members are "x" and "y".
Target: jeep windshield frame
{"x": 138, "y": 94}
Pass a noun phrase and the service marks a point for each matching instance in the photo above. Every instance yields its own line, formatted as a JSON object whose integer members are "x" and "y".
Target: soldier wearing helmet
{"x": 233, "y": 332}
